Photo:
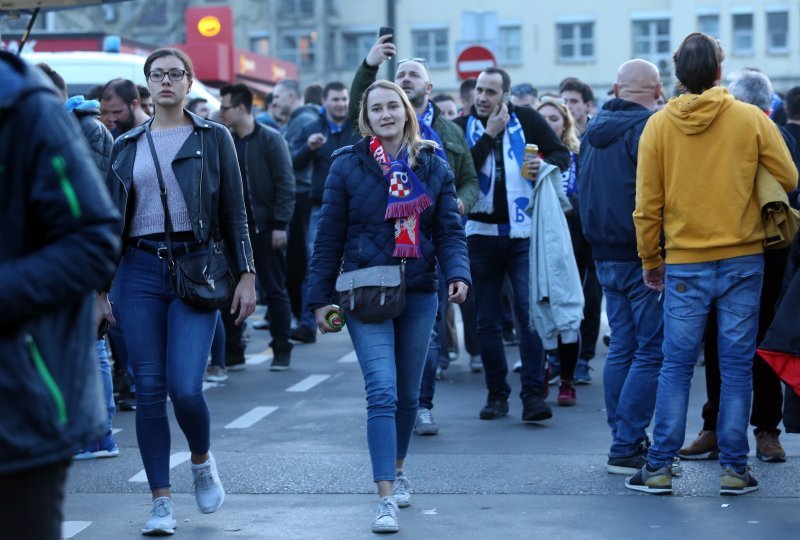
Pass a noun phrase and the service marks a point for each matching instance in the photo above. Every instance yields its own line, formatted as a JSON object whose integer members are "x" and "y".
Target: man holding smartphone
{"x": 413, "y": 77}
{"x": 498, "y": 234}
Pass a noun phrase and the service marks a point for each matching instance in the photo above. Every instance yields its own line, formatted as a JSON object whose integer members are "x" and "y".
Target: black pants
{"x": 271, "y": 270}
{"x": 31, "y": 502}
{"x": 592, "y": 291}
{"x": 297, "y": 252}
{"x": 767, "y": 410}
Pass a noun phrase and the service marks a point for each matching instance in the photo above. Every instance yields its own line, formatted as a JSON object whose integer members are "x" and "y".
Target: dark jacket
{"x": 320, "y": 159}
{"x": 58, "y": 243}
{"x": 352, "y": 228}
{"x": 270, "y": 179}
{"x": 97, "y": 136}
{"x": 455, "y": 145}
{"x": 607, "y": 179}
{"x": 208, "y": 173}
{"x": 298, "y": 120}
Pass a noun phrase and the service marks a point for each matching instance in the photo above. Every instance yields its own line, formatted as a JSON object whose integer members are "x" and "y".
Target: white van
{"x": 82, "y": 71}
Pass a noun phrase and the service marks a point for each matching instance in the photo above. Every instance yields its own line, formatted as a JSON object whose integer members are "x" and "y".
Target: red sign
{"x": 473, "y": 60}
{"x": 209, "y": 25}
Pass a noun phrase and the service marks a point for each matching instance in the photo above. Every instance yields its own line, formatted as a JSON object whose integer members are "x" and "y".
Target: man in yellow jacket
{"x": 696, "y": 180}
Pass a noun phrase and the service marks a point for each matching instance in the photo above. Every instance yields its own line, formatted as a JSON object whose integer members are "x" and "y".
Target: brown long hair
{"x": 570, "y": 135}
{"x": 411, "y": 140}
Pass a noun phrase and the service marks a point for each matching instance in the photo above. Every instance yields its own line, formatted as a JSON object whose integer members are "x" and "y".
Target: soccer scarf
{"x": 518, "y": 189}
{"x": 407, "y": 199}
{"x": 427, "y": 132}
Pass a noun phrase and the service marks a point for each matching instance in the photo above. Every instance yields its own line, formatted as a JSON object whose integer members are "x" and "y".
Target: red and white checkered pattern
{"x": 398, "y": 188}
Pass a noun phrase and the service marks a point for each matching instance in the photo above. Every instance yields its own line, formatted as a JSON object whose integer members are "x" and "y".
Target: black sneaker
{"x": 303, "y": 334}
{"x": 736, "y": 483}
{"x": 657, "y": 482}
{"x": 535, "y": 409}
{"x": 626, "y": 465}
{"x": 494, "y": 408}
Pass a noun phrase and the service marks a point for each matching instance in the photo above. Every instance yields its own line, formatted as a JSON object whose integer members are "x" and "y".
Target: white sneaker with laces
{"x": 160, "y": 522}
{"x": 401, "y": 489}
{"x": 208, "y": 490}
{"x": 385, "y": 516}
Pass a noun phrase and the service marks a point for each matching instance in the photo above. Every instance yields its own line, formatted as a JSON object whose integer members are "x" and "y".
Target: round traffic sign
{"x": 473, "y": 60}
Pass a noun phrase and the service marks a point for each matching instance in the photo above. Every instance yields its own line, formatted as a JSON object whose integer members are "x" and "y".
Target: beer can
{"x": 335, "y": 319}
{"x": 530, "y": 150}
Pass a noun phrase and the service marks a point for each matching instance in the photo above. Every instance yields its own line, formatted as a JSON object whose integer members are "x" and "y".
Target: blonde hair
{"x": 570, "y": 136}
{"x": 411, "y": 140}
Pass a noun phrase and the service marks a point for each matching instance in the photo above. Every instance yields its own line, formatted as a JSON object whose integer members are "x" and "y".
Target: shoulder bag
{"x": 201, "y": 279}
{"x": 373, "y": 294}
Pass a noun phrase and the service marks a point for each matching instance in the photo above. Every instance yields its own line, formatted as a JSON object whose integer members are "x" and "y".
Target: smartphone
{"x": 386, "y": 30}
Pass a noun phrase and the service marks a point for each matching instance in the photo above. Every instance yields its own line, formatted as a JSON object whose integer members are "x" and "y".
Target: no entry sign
{"x": 473, "y": 60}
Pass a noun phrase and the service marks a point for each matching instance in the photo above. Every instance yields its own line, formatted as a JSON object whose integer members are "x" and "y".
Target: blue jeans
{"x": 491, "y": 258}
{"x": 734, "y": 286}
{"x": 168, "y": 357}
{"x": 392, "y": 357}
{"x": 630, "y": 377}
{"x": 108, "y": 385}
{"x": 306, "y": 315}
{"x": 433, "y": 359}
{"x": 218, "y": 344}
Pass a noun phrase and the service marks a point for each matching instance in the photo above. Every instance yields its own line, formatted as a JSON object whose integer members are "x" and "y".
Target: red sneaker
{"x": 566, "y": 394}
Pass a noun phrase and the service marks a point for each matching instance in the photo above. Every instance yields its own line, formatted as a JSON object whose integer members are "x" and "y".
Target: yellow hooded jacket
{"x": 696, "y": 175}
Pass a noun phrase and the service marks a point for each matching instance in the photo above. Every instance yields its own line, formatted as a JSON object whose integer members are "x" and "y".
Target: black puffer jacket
{"x": 208, "y": 174}
{"x": 98, "y": 137}
{"x": 58, "y": 243}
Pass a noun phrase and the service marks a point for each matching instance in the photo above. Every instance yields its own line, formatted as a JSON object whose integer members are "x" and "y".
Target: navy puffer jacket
{"x": 352, "y": 226}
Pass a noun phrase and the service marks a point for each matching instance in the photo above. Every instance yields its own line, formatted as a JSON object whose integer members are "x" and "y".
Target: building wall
{"x": 327, "y": 38}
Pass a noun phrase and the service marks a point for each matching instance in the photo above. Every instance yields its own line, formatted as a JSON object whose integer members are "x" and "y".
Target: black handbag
{"x": 202, "y": 278}
{"x": 373, "y": 294}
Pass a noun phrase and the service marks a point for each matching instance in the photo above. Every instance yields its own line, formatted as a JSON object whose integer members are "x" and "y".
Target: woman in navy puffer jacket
{"x": 390, "y": 197}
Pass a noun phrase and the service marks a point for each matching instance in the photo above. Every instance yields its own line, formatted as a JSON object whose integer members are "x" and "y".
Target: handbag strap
{"x": 163, "y": 193}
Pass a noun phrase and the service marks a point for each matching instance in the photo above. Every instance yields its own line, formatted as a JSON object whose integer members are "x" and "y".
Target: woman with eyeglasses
{"x": 387, "y": 199}
{"x": 168, "y": 340}
{"x": 555, "y": 111}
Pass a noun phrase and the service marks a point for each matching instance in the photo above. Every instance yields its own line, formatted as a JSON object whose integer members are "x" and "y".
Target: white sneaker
{"x": 401, "y": 489}
{"x": 385, "y": 516}
{"x": 475, "y": 364}
{"x": 160, "y": 522}
{"x": 216, "y": 374}
{"x": 208, "y": 490}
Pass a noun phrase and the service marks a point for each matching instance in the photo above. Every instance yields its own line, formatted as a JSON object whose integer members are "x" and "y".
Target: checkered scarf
{"x": 407, "y": 199}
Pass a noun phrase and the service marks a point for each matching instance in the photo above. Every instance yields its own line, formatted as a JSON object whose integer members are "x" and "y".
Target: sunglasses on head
{"x": 418, "y": 60}
{"x": 552, "y": 99}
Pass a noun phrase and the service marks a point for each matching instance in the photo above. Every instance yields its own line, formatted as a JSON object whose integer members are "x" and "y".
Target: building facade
{"x": 537, "y": 42}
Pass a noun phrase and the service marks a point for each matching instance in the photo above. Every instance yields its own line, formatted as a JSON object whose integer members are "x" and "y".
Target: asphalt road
{"x": 292, "y": 454}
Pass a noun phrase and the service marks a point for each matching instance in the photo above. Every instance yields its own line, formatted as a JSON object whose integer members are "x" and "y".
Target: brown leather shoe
{"x": 768, "y": 447}
{"x": 703, "y": 447}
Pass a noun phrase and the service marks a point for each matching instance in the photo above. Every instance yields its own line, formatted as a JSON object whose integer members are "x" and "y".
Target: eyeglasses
{"x": 523, "y": 89}
{"x": 175, "y": 74}
{"x": 419, "y": 60}
{"x": 553, "y": 99}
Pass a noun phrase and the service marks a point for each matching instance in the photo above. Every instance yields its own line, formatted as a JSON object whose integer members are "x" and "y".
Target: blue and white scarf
{"x": 518, "y": 189}
{"x": 427, "y": 132}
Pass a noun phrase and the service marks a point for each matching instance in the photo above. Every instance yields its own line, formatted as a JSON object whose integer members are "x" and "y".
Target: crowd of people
{"x": 388, "y": 204}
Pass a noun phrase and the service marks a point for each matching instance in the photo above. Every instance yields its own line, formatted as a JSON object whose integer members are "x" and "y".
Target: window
{"x": 259, "y": 42}
{"x": 708, "y": 24}
{"x": 651, "y": 41}
{"x": 299, "y": 47}
{"x": 297, "y": 8}
{"x": 576, "y": 42}
{"x": 431, "y": 45}
{"x": 778, "y": 32}
{"x": 509, "y": 45}
{"x": 743, "y": 33}
{"x": 356, "y": 47}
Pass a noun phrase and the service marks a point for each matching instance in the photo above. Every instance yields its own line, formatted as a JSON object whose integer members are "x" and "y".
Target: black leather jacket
{"x": 208, "y": 174}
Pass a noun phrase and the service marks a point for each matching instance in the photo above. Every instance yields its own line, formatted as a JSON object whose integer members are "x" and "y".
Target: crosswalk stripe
{"x": 251, "y": 417}
{"x": 308, "y": 383}
{"x": 174, "y": 460}
{"x": 70, "y": 528}
{"x": 349, "y": 358}
{"x": 255, "y": 359}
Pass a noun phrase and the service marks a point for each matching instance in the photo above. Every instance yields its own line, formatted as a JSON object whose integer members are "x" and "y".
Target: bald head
{"x": 638, "y": 81}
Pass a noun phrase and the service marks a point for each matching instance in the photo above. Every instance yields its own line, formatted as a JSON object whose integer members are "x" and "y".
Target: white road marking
{"x": 174, "y": 460}
{"x": 251, "y": 417}
{"x": 71, "y": 528}
{"x": 308, "y": 383}
{"x": 255, "y": 359}
{"x": 349, "y": 358}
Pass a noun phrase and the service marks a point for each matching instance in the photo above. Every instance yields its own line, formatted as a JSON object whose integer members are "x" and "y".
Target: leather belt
{"x": 178, "y": 248}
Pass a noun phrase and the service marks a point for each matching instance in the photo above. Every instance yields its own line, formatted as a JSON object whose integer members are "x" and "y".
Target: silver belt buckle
{"x": 162, "y": 252}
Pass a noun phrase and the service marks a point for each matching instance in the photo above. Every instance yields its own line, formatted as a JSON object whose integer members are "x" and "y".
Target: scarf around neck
{"x": 518, "y": 189}
{"x": 427, "y": 132}
{"x": 407, "y": 199}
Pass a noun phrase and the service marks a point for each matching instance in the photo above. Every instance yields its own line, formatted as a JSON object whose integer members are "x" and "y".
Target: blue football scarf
{"x": 427, "y": 132}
